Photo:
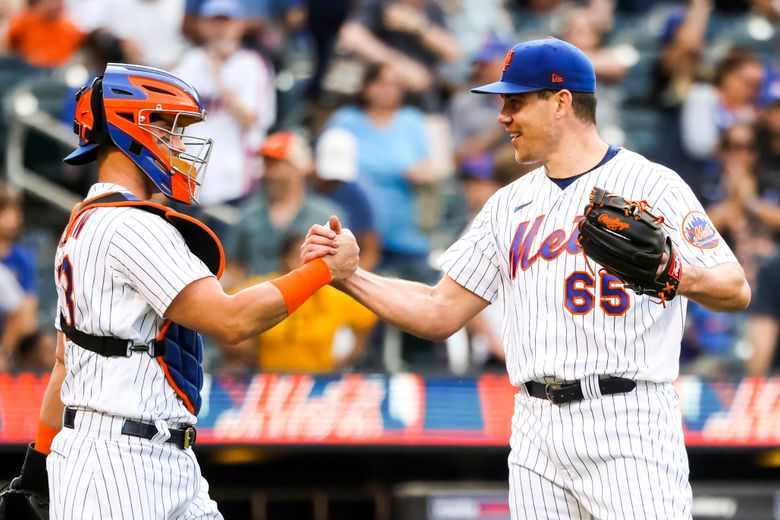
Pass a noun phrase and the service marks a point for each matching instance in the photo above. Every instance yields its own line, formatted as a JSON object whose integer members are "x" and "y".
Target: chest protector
{"x": 179, "y": 350}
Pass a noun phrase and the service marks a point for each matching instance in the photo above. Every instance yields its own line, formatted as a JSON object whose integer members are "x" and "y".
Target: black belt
{"x": 182, "y": 438}
{"x": 560, "y": 393}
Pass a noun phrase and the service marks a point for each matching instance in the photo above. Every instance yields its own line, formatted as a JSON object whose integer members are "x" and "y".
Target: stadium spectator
{"x": 763, "y": 327}
{"x": 677, "y": 67}
{"x": 409, "y": 36}
{"x": 393, "y": 158}
{"x": 472, "y": 23}
{"x": 11, "y": 296}
{"x": 709, "y": 342}
{"x": 748, "y": 219}
{"x": 237, "y": 87}
{"x": 336, "y": 173}
{"x": 323, "y": 23}
{"x": 584, "y": 28}
{"x": 283, "y": 206}
{"x": 19, "y": 261}
{"x": 472, "y": 118}
{"x": 43, "y": 35}
{"x": 35, "y": 352}
{"x": 8, "y": 9}
{"x": 680, "y": 63}
{"x": 150, "y": 31}
{"x": 732, "y": 99}
{"x": 768, "y": 142}
{"x": 255, "y": 12}
{"x": 479, "y": 183}
{"x": 327, "y": 333}
{"x": 91, "y": 15}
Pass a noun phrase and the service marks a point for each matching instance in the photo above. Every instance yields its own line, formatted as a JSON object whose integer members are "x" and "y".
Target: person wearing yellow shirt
{"x": 304, "y": 342}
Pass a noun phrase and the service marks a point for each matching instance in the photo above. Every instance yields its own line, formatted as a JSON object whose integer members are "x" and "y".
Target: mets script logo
{"x": 698, "y": 231}
{"x": 508, "y": 60}
{"x": 553, "y": 245}
{"x": 613, "y": 224}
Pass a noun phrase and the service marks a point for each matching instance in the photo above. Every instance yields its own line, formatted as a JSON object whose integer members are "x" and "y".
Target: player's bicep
{"x": 154, "y": 260}
{"x": 200, "y": 306}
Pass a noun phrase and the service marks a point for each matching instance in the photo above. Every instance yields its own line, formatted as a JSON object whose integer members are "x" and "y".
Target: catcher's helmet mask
{"x": 125, "y": 106}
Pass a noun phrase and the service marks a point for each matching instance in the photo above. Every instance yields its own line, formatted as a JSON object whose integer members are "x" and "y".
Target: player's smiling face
{"x": 530, "y": 121}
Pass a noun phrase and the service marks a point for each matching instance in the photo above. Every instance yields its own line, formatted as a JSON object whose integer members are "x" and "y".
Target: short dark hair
{"x": 371, "y": 75}
{"x": 583, "y": 103}
{"x": 734, "y": 60}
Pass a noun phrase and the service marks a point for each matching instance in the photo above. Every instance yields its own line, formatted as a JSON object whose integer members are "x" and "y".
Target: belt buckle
{"x": 189, "y": 437}
{"x": 548, "y": 391}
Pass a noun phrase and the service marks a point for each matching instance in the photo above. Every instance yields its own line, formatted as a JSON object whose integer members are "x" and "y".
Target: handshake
{"x": 335, "y": 245}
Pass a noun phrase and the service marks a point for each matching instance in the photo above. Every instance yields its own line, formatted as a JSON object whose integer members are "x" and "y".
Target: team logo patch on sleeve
{"x": 698, "y": 231}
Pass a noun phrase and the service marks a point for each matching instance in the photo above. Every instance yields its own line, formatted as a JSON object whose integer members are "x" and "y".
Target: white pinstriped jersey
{"x": 560, "y": 320}
{"x": 127, "y": 266}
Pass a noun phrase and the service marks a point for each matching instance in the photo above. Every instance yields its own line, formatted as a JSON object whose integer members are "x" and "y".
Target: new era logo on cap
{"x": 546, "y": 64}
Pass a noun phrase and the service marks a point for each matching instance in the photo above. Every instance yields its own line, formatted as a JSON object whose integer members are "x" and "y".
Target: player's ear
{"x": 563, "y": 101}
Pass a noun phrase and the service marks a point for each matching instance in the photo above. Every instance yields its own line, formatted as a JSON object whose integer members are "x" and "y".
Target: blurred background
{"x": 361, "y": 108}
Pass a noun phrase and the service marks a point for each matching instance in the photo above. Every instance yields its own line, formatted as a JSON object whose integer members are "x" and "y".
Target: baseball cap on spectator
{"x": 479, "y": 167}
{"x": 492, "y": 49}
{"x": 337, "y": 155}
{"x": 289, "y": 147}
{"x": 671, "y": 25}
{"x": 546, "y": 64}
{"x": 222, "y": 8}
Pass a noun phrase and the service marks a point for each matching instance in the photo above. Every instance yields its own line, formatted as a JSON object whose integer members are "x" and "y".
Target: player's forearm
{"x": 252, "y": 311}
{"x": 203, "y": 306}
{"x": 719, "y": 288}
{"x": 410, "y": 306}
{"x": 51, "y": 406}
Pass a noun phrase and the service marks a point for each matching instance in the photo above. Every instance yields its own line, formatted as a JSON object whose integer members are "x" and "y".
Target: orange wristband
{"x": 296, "y": 286}
{"x": 44, "y": 437}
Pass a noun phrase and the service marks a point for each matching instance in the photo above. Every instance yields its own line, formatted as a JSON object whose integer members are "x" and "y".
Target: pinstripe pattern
{"x": 127, "y": 267}
{"x": 612, "y": 457}
{"x": 543, "y": 339}
{"x": 616, "y": 457}
{"x": 96, "y": 472}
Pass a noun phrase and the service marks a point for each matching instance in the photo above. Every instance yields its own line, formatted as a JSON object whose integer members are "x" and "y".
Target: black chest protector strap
{"x": 199, "y": 238}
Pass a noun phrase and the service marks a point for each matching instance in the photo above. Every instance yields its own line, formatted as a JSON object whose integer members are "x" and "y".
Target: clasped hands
{"x": 335, "y": 245}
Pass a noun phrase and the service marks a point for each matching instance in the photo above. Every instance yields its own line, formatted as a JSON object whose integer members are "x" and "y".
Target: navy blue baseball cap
{"x": 547, "y": 64}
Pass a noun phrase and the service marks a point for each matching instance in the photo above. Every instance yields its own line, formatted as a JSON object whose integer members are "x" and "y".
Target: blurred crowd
{"x": 360, "y": 108}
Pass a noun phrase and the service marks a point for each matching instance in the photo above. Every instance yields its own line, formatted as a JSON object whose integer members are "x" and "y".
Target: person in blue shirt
{"x": 393, "y": 159}
{"x": 20, "y": 261}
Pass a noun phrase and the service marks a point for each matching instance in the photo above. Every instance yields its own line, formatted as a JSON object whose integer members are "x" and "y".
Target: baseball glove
{"x": 629, "y": 242}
